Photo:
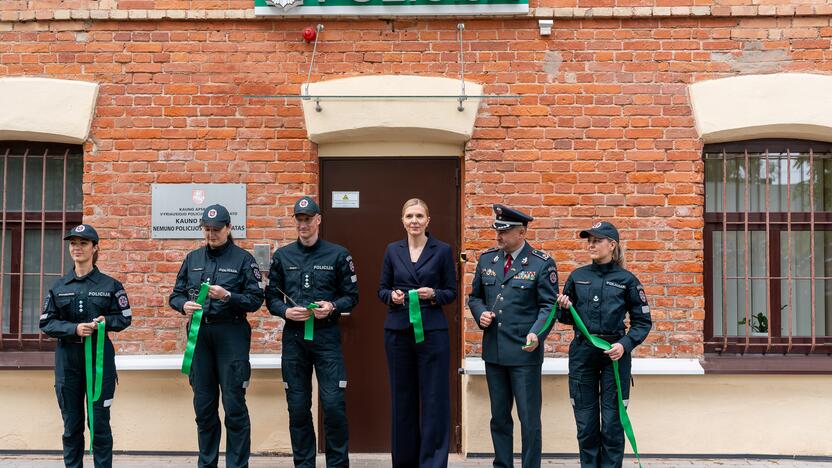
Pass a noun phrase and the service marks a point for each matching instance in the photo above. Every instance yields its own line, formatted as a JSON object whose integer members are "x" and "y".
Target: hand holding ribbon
{"x": 415, "y": 313}
{"x": 604, "y": 345}
{"x": 309, "y": 324}
{"x": 193, "y": 333}
{"x": 94, "y": 385}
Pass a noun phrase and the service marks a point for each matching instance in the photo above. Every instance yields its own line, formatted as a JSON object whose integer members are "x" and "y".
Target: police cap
{"x": 601, "y": 230}
{"x": 84, "y": 231}
{"x": 507, "y": 218}
{"x": 215, "y": 216}
{"x": 307, "y": 206}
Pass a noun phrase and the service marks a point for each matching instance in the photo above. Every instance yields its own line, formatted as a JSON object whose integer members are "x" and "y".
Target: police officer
{"x": 512, "y": 298}
{"x": 221, "y": 356}
{"x": 602, "y": 293}
{"x": 312, "y": 270}
{"x": 72, "y": 310}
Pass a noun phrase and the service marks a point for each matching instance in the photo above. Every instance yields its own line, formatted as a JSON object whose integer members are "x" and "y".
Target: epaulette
{"x": 541, "y": 254}
{"x": 492, "y": 249}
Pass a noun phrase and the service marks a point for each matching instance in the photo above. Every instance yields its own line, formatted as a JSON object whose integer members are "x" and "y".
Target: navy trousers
{"x": 420, "y": 396}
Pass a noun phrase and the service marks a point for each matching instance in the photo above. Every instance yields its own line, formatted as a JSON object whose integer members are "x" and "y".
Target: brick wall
{"x": 604, "y": 131}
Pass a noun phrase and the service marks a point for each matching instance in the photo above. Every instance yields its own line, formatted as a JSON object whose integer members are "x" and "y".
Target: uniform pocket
{"x": 489, "y": 280}
{"x": 241, "y": 371}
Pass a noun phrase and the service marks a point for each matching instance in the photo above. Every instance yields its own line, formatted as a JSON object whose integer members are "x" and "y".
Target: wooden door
{"x": 383, "y": 185}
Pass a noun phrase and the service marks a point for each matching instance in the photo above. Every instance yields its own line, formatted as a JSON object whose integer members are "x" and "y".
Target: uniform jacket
{"x": 228, "y": 266}
{"x": 522, "y": 301}
{"x": 602, "y": 294}
{"x": 73, "y": 300}
{"x": 433, "y": 269}
{"x": 321, "y": 272}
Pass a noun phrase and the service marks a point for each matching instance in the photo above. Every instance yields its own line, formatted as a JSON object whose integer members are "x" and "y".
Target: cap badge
{"x": 303, "y": 203}
{"x": 80, "y": 228}
{"x": 499, "y": 210}
{"x": 212, "y": 213}
{"x": 596, "y": 225}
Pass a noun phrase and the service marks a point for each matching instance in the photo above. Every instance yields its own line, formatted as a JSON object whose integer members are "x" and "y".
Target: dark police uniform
{"x": 321, "y": 272}
{"x": 602, "y": 294}
{"x": 221, "y": 357}
{"x": 522, "y": 300}
{"x": 73, "y": 300}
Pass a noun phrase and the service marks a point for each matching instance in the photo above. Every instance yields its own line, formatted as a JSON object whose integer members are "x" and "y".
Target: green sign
{"x": 389, "y": 7}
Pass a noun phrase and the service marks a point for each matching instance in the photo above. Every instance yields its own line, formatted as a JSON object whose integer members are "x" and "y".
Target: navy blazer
{"x": 434, "y": 269}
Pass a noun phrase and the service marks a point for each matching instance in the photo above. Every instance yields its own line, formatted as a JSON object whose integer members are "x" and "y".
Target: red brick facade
{"x": 604, "y": 129}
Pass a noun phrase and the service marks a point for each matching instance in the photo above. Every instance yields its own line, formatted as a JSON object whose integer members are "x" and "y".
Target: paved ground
{"x": 379, "y": 461}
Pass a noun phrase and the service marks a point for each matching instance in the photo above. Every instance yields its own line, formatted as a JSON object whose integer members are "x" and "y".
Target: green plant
{"x": 759, "y": 323}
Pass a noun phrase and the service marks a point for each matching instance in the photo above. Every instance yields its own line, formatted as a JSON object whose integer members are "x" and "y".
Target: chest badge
{"x": 525, "y": 261}
{"x": 306, "y": 281}
{"x": 595, "y": 299}
{"x": 495, "y": 259}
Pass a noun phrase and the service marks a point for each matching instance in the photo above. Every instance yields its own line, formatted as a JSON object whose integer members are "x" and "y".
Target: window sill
{"x": 641, "y": 366}
{"x": 766, "y": 364}
{"x": 135, "y": 362}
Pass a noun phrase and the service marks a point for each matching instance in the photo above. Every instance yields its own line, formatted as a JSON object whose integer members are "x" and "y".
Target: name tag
{"x": 66, "y": 294}
{"x": 227, "y": 270}
{"x": 583, "y": 282}
{"x": 290, "y": 268}
{"x": 198, "y": 269}
{"x": 323, "y": 267}
{"x": 99, "y": 293}
{"x": 616, "y": 285}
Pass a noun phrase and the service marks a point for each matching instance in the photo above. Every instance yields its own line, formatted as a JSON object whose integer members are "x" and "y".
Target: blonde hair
{"x": 618, "y": 255}
{"x": 415, "y": 202}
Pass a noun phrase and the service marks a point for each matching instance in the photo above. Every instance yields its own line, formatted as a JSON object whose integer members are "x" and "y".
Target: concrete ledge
{"x": 641, "y": 366}
{"x": 541, "y": 12}
{"x": 45, "y": 109}
{"x": 780, "y": 105}
{"x": 152, "y": 362}
{"x": 363, "y": 119}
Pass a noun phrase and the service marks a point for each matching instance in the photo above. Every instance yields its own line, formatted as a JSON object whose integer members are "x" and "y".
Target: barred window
{"x": 40, "y": 198}
{"x": 768, "y": 247}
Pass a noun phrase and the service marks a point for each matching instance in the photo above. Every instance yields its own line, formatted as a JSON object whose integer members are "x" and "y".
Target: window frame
{"x": 748, "y": 346}
{"x": 17, "y": 222}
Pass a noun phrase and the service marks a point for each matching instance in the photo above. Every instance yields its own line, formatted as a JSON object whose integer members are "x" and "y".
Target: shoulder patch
{"x": 541, "y": 254}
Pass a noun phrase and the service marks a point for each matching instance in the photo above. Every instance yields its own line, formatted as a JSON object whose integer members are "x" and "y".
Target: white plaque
{"x": 344, "y": 199}
{"x": 176, "y": 209}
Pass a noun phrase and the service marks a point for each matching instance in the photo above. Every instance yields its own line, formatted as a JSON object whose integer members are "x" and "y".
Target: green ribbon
{"x": 309, "y": 324}
{"x": 193, "y": 333}
{"x": 622, "y": 410}
{"x": 94, "y": 388}
{"x": 416, "y": 315}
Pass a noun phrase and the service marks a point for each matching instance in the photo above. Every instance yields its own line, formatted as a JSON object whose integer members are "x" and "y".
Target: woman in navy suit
{"x": 418, "y": 371}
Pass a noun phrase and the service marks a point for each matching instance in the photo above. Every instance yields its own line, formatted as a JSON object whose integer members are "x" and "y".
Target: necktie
{"x": 508, "y": 264}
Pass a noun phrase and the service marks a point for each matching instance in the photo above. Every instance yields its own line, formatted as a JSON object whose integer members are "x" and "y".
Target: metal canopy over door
{"x": 382, "y": 186}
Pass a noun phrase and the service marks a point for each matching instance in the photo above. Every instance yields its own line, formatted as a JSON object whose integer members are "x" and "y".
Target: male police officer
{"x": 511, "y": 299}
{"x": 312, "y": 270}
{"x": 221, "y": 356}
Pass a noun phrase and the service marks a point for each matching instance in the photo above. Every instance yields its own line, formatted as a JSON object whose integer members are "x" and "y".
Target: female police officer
{"x": 222, "y": 347}
{"x": 72, "y": 310}
{"x": 602, "y": 293}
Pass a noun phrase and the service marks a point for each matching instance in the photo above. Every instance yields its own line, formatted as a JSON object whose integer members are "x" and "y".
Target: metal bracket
{"x": 460, "y": 28}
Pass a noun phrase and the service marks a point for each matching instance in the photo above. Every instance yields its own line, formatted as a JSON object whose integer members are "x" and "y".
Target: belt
{"x": 72, "y": 339}
{"x": 211, "y": 319}
{"x": 610, "y": 338}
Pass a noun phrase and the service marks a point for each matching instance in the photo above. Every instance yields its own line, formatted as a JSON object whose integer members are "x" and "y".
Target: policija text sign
{"x": 177, "y": 208}
{"x": 389, "y": 7}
